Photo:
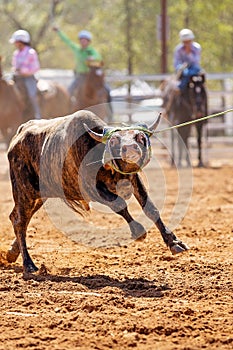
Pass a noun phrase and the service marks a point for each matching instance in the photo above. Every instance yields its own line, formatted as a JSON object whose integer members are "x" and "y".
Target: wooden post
{"x": 129, "y": 50}
{"x": 163, "y": 36}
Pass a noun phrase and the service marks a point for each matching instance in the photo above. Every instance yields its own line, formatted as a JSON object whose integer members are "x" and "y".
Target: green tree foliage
{"x": 114, "y": 36}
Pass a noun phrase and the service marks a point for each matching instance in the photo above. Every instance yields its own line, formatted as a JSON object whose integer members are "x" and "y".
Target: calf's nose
{"x": 131, "y": 153}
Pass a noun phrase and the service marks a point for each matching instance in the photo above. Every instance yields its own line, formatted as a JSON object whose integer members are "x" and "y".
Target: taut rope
{"x": 194, "y": 121}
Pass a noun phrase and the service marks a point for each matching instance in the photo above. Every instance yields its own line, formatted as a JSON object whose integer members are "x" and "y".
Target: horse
{"x": 184, "y": 106}
{"x": 11, "y": 108}
{"x": 53, "y": 98}
{"x": 92, "y": 94}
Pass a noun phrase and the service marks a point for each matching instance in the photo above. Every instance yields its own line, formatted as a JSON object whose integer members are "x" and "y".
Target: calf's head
{"x": 127, "y": 149}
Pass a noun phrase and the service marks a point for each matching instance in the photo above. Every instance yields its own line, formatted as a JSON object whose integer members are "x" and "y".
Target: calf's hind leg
{"x": 20, "y": 218}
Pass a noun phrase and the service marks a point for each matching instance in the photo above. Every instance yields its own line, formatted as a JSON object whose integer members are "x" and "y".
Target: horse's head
{"x": 95, "y": 77}
{"x": 198, "y": 94}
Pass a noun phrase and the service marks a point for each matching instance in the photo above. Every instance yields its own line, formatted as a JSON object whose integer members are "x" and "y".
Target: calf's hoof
{"x": 30, "y": 268}
{"x": 178, "y": 247}
{"x": 141, "y": 238}
{"x": 138, "y": 232}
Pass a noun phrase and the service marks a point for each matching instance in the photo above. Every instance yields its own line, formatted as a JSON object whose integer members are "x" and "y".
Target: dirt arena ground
{"x": 131, "y": 296}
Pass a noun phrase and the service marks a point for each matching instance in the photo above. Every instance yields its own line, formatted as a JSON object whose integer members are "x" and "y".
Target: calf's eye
{"x": 140, "y": 138}
{"x": 114, "y": 141}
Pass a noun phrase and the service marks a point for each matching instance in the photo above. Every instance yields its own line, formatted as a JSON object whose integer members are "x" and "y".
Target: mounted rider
{"x": 83, "y": 52}
{"x": 25, "y": 63}
{"x": 187, "y": 56}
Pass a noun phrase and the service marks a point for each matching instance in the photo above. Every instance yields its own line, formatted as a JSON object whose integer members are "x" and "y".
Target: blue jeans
{"x": 77, "y": 82}
{"x": 31, "y": 86}
{"x": 186, "y": 74}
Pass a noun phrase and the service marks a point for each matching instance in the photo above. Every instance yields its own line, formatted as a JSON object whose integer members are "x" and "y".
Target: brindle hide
{"x": 64, "y": 157}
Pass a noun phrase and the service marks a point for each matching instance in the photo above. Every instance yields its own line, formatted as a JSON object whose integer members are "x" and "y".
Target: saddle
{"x": 94, "y": 63}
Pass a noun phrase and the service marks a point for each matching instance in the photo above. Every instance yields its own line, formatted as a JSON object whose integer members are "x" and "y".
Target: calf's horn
{"x": 156, "y": 123}
{"x": 94, "y": 135}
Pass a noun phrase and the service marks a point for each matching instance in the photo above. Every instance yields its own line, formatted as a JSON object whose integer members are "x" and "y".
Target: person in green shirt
{"x": 83, "y": 53}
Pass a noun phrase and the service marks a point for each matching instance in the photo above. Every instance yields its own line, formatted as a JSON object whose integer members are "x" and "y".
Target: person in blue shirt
{"x": 187, "y": 56}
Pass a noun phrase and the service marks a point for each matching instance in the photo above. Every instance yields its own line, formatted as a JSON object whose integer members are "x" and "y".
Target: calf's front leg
{"x": 174, "y": 244}
{"x": 119, "y": 206}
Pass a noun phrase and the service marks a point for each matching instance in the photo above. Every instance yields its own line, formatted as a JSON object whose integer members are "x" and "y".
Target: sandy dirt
{"x": 135, "y": 295}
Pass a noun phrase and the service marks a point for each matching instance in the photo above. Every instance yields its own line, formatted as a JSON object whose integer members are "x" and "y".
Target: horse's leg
{"x": 180, "y": 150}
{"x": 183, "y": 146}
{"x": 182, "y": 143}
{"x": 188, "y": 161}
{"x": 172, "y": 148}
{"x": 199, "y": 128}
{"x": 172, "y": 138}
